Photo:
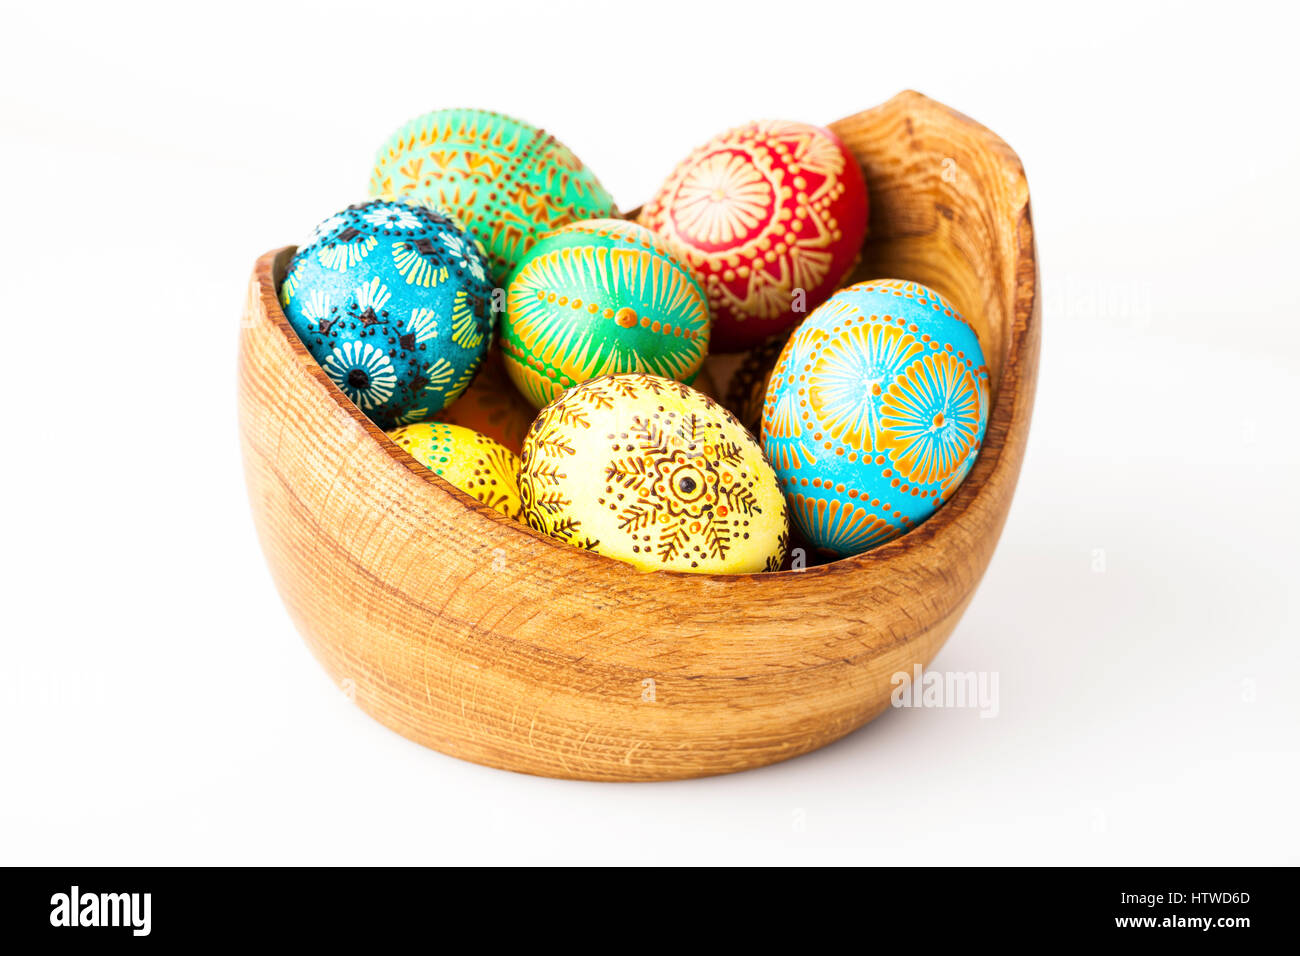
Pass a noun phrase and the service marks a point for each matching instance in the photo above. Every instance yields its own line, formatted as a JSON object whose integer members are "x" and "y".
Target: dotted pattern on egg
{"x": 392, "y": 300}
{"x": 601, "y": 297}
{"x": 474, "y": 463}
{"x": 874, "y": 413}
{"x": 507, "y": 181}
{"x": 652, "y": 472}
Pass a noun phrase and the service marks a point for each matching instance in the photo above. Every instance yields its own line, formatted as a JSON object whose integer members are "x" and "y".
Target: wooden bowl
{"x": 474, "y": 635}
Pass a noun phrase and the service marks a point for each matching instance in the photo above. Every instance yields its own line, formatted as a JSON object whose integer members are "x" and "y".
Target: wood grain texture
{"x": 476, "y": 636}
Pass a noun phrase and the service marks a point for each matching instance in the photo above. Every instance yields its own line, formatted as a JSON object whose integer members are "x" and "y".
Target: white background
{"x": 156, "y": 704}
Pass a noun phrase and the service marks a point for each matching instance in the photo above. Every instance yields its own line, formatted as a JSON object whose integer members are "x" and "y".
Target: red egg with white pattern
{"x": 771, "y": 217}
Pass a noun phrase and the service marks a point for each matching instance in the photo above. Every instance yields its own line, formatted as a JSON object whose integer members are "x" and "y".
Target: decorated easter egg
{"x": 771, "y": 215}
{"x": 506, "y": 181}
{"x": 601, "y": 297}
{"x": 492, "y": 406}
{"x": 649, "y": 471}
{"x": 474, "y": 463}
{"x": 874, "y": 413}
{"x": 393, "y": 301}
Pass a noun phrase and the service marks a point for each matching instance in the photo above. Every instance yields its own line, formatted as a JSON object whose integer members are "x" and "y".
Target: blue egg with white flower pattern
{"x": 393, "y": 301}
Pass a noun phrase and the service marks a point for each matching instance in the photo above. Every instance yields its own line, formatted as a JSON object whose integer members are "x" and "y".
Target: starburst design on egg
{"x": 650, "y": 471}
{"x": 723, "y": 199}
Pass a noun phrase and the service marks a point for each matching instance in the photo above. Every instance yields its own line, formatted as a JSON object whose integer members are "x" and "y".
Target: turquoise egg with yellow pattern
{"x": 601, "y": 297}
{"x": 393, "y": 301}
{"x": 874, "y": 413}
{"x": 506, "y": 181}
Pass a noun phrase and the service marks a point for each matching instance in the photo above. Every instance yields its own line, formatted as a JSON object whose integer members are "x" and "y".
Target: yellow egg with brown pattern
{"x": 475, "y": 464}
{"x": 650, "y": 471}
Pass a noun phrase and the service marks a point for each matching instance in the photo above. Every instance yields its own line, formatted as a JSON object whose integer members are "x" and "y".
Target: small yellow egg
{"x": 474, "y": 463}
{"x": 649, "y": 471}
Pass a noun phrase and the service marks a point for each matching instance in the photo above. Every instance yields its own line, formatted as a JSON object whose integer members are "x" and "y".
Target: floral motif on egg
{"x": 870, "y": 355}
{"x": 723, "y": 199}
{"x": 392, "y": 301}
{"x": 363, "y": 372}
{"x": 930, "y": 419}
{"x": 419, "y": 263}
{"x": 761, "y": 211}
{"x": 506, "y": 181}
{"x": 679, "y": 483}
{"x": 875, "y": 413}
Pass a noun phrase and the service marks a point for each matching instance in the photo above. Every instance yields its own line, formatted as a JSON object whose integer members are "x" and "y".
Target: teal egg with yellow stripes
{"x": 601, "y": 297}
{"x": 393, "y": 301}
{"x": 506, "y": 181}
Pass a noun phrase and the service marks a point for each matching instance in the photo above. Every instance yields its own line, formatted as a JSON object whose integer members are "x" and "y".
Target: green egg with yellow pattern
{"x": 601, "y": 297}
{"x": 504, "y": 180}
